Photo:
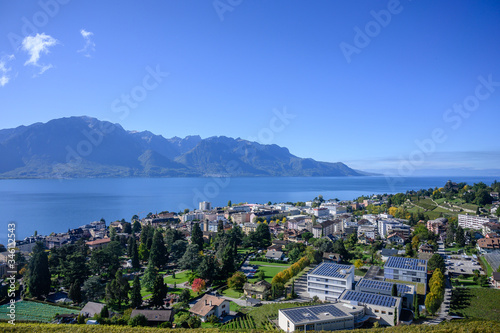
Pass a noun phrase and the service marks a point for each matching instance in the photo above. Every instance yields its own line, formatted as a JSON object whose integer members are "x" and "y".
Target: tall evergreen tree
{"x": 38, "y": 279}
{"x": 158, "y": 252}
{"x": 149, "y": 277}
{"x": 191, "y": 258}
{"x": 228, "y": 266}
{"x": 197, "y": 236}
{"x": 75, "y": 292}
{"x": 208, "y": 268}
{"x": 159, "y": 292}
{"x": 135, "y": 294}
{"x": 130, "y": 242}
{"x": 394, "y": 291}
{"x": 135, "y": 256}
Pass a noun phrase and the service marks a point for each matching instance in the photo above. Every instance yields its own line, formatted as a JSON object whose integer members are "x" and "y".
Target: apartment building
{"x": 329, "y": 280}
{"x": 406, "y": 269}
{"x": 474, "y": 222}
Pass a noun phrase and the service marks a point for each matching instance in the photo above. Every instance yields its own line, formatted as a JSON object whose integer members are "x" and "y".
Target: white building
{"x": 324, "y": 317}
{"x": 381, "y": 307}
{"x": 406, "y": 269}
{"x": 205, "y": 205}
{"x": 473, "y": 222}
{"x": 321, "y": 212}
{"x": 328, "y": 280}
{"x": 369, "y": 231}
{"x": 405, "y": 291}
{"x": 388, "y": 226}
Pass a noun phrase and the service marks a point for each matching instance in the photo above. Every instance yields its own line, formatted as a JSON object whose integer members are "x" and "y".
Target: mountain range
{"x": 78, "y": 147}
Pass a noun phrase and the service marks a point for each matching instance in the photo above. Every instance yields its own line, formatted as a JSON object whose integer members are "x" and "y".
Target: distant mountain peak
{"x": 73, "y": 147}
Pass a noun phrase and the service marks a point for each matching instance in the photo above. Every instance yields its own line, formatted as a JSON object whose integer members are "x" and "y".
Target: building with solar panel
{"x": 327, "y": 317}
{"x": 406, "y": 269}
{"x": 405, "y": 291}
{"x": 329, "y": 280}
{"x": 381, "y": 307}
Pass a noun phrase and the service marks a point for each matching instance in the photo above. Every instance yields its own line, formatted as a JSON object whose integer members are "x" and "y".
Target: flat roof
{"x": 368, "y": 298}
{"x": 332, "y": 270}
{"x": 406, "y": 263}
{"x": 383, "y": 285}
{"x": 307, "y": 314}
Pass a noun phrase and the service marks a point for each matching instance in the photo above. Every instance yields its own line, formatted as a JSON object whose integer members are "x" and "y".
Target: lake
{"x": 51, "y": 205}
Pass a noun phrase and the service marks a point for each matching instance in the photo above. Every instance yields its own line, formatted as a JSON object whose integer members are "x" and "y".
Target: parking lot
{"x": 460, "y": 266}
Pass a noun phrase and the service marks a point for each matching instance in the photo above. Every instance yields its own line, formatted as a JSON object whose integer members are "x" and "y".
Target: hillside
{"x": 87, "y": 147}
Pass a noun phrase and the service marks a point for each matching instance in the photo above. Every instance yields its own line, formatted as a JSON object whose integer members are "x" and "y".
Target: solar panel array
{"x": 310, "y": 313}
{"x": 332, "y": 270}
{"x": 368, "y": 298}
{"x": 382, "y": 285}
{"x": 406, "y": 263}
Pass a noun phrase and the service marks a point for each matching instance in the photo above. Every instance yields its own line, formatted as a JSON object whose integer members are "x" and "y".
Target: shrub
{"x": 139, "y": 320}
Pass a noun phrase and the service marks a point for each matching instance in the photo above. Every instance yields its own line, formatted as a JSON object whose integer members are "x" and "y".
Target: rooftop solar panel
{"x": 382, "y": 285}
{"x": 406, "y": 263}
{"x": 311, "y": 313}
{"x": 332, "y": 270}
{"x": 367, "y": 298}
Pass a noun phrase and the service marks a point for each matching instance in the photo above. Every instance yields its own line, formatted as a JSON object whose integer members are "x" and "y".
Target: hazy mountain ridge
{"x": 88, "y": 147}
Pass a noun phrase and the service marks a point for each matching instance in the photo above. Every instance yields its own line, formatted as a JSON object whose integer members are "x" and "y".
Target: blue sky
{"x": 369, "y": 83}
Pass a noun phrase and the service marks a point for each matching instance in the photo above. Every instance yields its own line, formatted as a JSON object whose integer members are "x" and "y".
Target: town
{"x": 418, "y": 258}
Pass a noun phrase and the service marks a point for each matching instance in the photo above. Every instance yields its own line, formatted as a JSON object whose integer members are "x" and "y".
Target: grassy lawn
{"x": 480, "y": 303}
{"x": 420, "y": 286}
{"x": 360, "y": 272}
{"x": 179, "y": 278}
{"x": 230, "y": 292}
{"x": 234, "y": 307}
{"x": 253, "y": 262}
{"x": 270, "y": 272}
{"x": 468, "y": 282}
{"x": 489, "y": 271}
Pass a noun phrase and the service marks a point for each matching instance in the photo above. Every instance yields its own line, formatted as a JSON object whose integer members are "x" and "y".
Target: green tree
{"x": 208, "y": 268}
{"x": 75, "y": 292}
{"x": 178, "y": 249}
{"x": 460, "y": 237}
{"x": 135, "y": 294}
{"x": 135, "y": 256}
{"x": 197, "y": 236}
{"x": 394, "y": 290}
{"x": 104, "y": 312}
{"x": 158, "y": 252}
{"x": 159, "y": 292}
{"x": 228, "y": 264}
{"x": 237, "y": 281}
{"x": 263, "y": 235}
{"x": 395, "y": 316}
{"x": 432, "y": 303}
{"x": 229, "y": 203}
{"x": 38, "y": 279}
{"x": 415, "y": 306}
{"x": 191, "y": 258}
{"x": 149, "y": 277}
{"x": 261, "y": 275}
{"x": 136, "y": 226}
{"x": 93, "y": 289}
{"x": 358, "y": 263}
{"x": 436, "y": 261}
{"x": 138, "y": 320}
{"x": 185, "y": 296}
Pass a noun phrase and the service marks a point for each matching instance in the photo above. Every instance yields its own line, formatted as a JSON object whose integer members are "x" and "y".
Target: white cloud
{"x": 89, "y": 43}
{"x": 36, "y": 45}
{"x": 4, "y": 78}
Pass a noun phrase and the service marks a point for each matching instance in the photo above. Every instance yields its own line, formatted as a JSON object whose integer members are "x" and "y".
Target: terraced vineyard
{"x": 245, "y": 323}
{"x": 32, "y": 311}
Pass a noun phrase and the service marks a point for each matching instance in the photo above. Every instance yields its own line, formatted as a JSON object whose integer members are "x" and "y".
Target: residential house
{"x": 275, "y": 255}
{"x": 487, "y": 245}
{"x": 55, "y": 241}
{"x": 259, "y": 290}
{"x": 362, "y": 239}
{"x": 437, "y": 226}
{"x": 329, "y": 280}
{"x": 331, "y": 257}
{"x": 279, "y": 242}
{"x": 425, "y": 248}
{"x": 274, "y": 248}
{"x": 155, "y": 317}
{"x": 91, "y": 308}
{"x": 491, "y": 227}
{"x": 210, "y": 305}
{"x": 369, "y": 231}
{"x": 249, "y": 227}
{"x": 396, "y": 238}
{"x": 98, "y": 243}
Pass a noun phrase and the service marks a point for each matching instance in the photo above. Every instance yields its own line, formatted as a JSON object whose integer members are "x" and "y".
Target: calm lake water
{"x": 49, "y": 205}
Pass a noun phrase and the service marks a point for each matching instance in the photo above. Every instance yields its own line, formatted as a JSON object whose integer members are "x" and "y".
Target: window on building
{"x": 376, "y": 311}
{"x": 390, "y": 313}
{"x": 383, "y": 312}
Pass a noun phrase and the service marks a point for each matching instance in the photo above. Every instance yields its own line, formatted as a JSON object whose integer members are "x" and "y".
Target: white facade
{"x": 329, "y": 280}
{"x": 473, "y": 222}
{"x": 205, "y": 205}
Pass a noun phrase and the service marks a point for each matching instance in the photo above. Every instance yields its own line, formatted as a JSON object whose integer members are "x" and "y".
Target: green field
{"x": 230, "y": 292}
{"x": 486, "y": 264}
{"x": 32, "y": 311}
{"x": 479, "y": 303}
{"x": 426, "y": 204}
{"x": 270, "y": 272}
{"x": 260, "y": 315}
{"x": 179, "y": 278}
